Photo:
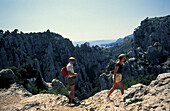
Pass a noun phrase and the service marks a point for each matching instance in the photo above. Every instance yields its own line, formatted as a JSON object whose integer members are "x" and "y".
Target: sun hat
{"x": 121, "y": 56}
{"x": 71, "y": 58}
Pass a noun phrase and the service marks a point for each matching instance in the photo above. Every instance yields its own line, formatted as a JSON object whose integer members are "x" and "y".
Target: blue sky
{"x": 80, "y": 20}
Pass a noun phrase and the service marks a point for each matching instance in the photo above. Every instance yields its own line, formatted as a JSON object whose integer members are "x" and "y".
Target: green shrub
{"x": 95, "y": 90}
{"x": 58, "y": 90}
{"x": 33, "y": 88}
{"x": 23, "y": 73}
{"x": 61, "y": 90}
{"x": 26, "y": 72}
{"x": 141, "y": 79}
{"x": 24, "y": 108}
{"x": 97, "y": 84}
{"x": 46, "y": 92}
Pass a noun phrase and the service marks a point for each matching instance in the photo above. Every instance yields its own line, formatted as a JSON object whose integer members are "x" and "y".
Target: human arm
{"x": 115, "y": 72}
{"x": 72, "y": 74}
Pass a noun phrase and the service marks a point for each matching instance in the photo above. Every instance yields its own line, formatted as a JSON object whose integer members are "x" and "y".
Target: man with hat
{"x": 71, "y": 79}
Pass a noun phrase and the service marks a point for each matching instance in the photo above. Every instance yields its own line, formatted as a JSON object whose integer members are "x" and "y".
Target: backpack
{"x": 64, "y": 71}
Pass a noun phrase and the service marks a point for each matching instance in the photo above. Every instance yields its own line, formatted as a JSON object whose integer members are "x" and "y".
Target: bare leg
{"x": 112, "y": 89}
{"x": 72, "y": 92}
{"x": 122, "y": 87}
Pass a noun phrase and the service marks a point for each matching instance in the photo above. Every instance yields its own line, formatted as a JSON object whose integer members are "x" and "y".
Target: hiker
{"x": 117, "y": 77}
{"x": 71, "y": 79}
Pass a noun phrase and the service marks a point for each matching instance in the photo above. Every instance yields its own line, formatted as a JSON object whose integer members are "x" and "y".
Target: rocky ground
{"x": 147, "y": 54}
{"x": 154, "y": 97}
{"x": 138, "y": 97}
{"x": 16, "y": 98}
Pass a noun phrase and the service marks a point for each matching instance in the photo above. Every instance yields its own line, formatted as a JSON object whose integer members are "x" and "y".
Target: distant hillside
{"x": 94, "y": 43}
{"x": 103, "y": 43}
{"x": 118, "y": 41}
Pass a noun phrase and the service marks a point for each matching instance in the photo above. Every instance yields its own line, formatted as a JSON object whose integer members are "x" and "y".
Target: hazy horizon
{"x": 77, "y": 20}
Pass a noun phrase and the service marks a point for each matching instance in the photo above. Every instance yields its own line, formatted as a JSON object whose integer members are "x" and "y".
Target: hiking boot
{"x": 70, "y": 100}
{"x": 73, "y": 101}
{"x": 108, "y": 98}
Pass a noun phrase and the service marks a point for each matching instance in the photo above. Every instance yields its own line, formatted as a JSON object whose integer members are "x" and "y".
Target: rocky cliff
{"x": 148, "y": 54}
{"x": 151, "y": 48}
{"x": 48, "y": 52}
{"x": 154, "y": 97}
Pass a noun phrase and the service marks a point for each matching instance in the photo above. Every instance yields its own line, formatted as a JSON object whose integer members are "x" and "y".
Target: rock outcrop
{"x": 122, "y": 48}
{"x": 48, "y": 52}
{"x": 6, "y": 77}
{"x": 7, "y": 73}
{"x": 151, "y": 47}
{"x": 149, "y": 52}
{"x": 154, "y": 97}
{"x": 136, "y": 98}
{"x": 106, "y": 81}
{"x": 56, "y": 83}
{"x": 16, "y": 98}
{"x": 151, "y": 31}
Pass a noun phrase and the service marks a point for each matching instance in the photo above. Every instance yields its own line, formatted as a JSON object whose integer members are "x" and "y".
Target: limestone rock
{"x": 149, "y": 52}
{"x": 17, "y": 98}
{"x": 136, "y": 98}
{"x": 106, "y": 81}
{"x": 7, "y": 74}
{"x": 48, "y": 52}
{"x": 56, "y": 83}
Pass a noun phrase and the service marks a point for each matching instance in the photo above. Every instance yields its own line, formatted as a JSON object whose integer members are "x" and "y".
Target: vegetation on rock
{"x": 22, "y": 76}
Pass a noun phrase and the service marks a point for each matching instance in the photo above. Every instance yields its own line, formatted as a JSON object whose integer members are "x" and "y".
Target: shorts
{"x": 71, "y": 81}
{"x": 118, "y": 77}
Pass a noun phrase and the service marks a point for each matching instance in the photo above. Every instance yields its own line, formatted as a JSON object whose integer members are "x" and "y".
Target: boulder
{"x": 135, "y": 91}
{"x": 159, "y": 80}
{"x": 16, "y": 90}
{"x": 7, "y": 74}
{"x": 31, "y": 81}
{"x": 56, "y": 83}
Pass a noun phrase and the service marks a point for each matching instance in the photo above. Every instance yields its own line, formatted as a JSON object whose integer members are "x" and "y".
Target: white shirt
{"x": 70, "y": 67}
